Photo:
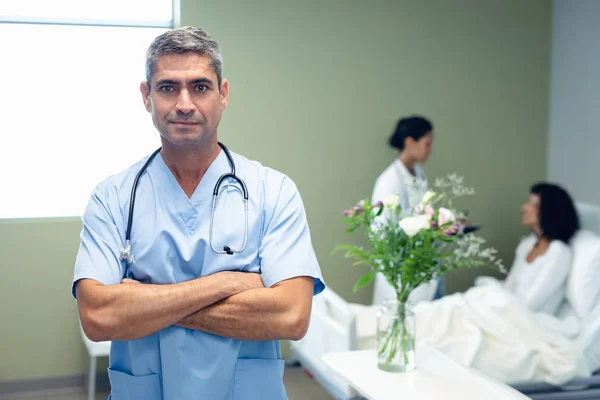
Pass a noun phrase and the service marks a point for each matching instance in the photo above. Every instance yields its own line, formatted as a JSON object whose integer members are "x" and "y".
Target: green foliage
{"x": 412, "y": 247}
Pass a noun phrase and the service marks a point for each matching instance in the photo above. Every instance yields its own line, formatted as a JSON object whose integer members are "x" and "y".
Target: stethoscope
{"x": 126, "y": 253}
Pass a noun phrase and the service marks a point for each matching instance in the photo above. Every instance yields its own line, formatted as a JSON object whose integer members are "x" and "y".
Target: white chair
{"x": 94, "y": 350}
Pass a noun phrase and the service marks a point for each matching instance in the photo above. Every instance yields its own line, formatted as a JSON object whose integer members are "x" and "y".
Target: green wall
{"x": 316, "y": 88}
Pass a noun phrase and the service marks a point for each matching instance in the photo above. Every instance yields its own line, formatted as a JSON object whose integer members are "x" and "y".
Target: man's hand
{"x": 250, "y": 280}
{"x": 276, "y": 313}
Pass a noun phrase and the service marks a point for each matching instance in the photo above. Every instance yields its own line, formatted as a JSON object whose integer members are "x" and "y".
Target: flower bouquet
{"x": 410, "y": 248}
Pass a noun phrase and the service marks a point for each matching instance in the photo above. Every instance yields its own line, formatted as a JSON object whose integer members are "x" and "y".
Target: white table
{"x": 436, "y": 377}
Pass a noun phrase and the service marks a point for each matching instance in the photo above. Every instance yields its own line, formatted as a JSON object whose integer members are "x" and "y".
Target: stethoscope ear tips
{"x": 227, "y": 250}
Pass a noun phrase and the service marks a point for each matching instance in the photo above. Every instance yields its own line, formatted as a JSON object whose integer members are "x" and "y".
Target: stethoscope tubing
{"x": 126, "y": 253}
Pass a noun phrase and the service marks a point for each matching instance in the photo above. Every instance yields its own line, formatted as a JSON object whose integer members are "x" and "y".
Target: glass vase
{"x": 395, "y": 337}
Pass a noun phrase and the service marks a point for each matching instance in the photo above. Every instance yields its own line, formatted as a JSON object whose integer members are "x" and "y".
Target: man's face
{"x": 184, "y": 99}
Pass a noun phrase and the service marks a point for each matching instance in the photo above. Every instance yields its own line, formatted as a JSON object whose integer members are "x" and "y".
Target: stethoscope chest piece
{"x": 126, "y": 254}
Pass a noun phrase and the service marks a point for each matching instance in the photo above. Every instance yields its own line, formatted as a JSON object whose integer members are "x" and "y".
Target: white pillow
{"x": 583, "y": 286}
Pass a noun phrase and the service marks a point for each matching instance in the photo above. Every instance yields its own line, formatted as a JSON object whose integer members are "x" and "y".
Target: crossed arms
{"x": 230, "y": 304}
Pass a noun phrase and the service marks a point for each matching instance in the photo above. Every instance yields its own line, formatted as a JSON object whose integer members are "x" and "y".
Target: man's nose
{"x": 185, "y": 105}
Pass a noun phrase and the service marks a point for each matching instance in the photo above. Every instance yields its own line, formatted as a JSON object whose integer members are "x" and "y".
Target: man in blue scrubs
{"x": 188, "y": 323}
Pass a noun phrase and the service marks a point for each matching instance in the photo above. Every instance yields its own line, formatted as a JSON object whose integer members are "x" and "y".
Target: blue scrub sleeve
{"x": 286, "y": 249}
{"x": 98, "y": 256}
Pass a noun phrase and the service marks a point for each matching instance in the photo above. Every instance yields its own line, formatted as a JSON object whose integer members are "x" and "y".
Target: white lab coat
{"x": 393, "y": 181}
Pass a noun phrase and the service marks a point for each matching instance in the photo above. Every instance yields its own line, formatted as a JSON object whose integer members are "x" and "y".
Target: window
{"x": 147, "y": 13}
{"x": 71, "y": 108}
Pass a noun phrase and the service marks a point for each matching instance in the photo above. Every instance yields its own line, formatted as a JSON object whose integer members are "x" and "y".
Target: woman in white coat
{"x": 413, "y": 138}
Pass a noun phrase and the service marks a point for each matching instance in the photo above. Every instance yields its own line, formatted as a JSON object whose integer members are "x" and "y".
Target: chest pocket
{"x": 259, "y": 379}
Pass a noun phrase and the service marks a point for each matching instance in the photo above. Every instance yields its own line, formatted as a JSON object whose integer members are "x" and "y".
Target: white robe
{"x": 394, "y": 180}
{"x": 541, "y": 284}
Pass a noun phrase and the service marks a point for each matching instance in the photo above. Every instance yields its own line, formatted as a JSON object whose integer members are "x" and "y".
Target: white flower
{"x": 446, "y": 216}
{"x": 428, "y": 197}
{"x": 391, "y": 201}
{"x": 412, "y": 225}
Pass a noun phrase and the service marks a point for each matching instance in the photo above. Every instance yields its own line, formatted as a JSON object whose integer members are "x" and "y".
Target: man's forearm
{"x": 259, "y": 314}
{"x": 131, "y": 311}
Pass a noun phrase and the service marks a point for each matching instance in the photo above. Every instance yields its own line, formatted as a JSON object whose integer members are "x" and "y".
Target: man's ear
{"x": 224, "y": 90}
{"x": 145, "y": 90}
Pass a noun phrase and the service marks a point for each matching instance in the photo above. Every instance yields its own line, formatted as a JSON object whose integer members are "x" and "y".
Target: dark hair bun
{"x": 414, "y": 127}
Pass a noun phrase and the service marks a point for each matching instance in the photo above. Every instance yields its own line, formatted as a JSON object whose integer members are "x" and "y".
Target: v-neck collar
{"x": 405, "y": 173}
{"x": 200, "y": 201}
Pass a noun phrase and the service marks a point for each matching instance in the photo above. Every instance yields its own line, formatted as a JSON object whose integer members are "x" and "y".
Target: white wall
{"x": 574, "y": 126}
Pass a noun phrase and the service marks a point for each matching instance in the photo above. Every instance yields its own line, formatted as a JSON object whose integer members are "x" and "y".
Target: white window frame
{"x": 18, "y": 189}
{"x": 28, "y": 19}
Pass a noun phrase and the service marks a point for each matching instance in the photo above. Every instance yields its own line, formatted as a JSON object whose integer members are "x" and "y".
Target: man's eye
{"x": 166, "y": 89}
{"x": 201, "y": 88}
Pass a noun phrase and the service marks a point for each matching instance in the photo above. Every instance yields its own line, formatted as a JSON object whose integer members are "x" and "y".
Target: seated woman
{"x": 543, "y": 259}
{"x": 509, "y": 330}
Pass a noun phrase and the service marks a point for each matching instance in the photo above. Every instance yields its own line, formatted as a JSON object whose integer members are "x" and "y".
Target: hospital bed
{"x": 337, "y": 325}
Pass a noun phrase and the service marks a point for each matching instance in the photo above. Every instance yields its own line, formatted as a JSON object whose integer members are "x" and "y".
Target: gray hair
{"x": 184, "y": 40}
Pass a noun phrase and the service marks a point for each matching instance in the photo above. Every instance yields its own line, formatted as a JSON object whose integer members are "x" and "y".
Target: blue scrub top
{"x": 169, "y": 240}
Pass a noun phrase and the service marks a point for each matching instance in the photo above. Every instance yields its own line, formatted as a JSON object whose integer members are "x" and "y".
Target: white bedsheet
{"x": 489, "y": 329}
{"x": 589, "y": 339}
